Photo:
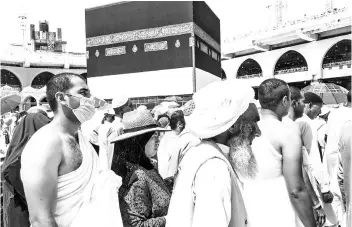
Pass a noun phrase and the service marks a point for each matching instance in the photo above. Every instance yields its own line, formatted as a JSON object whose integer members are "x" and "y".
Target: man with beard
{"x": 168, "y": 143}
{"x": 304, "y": 131}
{"x": 278, "y": 182}
{"x": 207, "y": 192}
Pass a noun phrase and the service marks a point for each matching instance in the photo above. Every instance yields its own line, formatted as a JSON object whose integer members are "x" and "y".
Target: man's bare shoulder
{"x": 275, "y": 128}
{"x": 45, "y": 142}
{"x": 279, "y": 133}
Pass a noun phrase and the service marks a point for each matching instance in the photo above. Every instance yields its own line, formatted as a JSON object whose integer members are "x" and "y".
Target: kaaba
{"x": 146, "y": 49}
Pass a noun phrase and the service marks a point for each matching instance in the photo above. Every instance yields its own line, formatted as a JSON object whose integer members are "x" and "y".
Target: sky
{"x": 236, "y": 16}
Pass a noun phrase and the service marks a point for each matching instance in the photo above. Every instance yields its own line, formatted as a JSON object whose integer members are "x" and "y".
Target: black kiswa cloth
{"x": 15, "y": 205}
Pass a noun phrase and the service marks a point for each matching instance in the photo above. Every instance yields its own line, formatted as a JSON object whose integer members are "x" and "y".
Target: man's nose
{"x": 257, "y": 130}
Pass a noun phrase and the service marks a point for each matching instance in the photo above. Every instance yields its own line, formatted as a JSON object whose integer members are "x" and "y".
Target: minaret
{"x": 280, "y": 7}
{"x": 329, "y": 5}
{"x": 23, "y": 27}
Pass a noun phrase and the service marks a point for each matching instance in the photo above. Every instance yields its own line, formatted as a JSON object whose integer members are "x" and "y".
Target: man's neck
{"x": 266, "y": 113}
{"x": 291, "y": 115}
{"x": 65, "y": 125}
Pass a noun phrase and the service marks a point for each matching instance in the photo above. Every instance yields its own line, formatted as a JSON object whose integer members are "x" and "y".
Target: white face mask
{"x": 86, "y": 109}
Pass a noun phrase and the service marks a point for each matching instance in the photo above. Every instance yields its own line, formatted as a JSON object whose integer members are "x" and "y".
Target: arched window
{"x": 84, "y": 75}
{"x": 249, "y": 69}
{"x": 223, "y": 75}
{"x": 338, "y": 55}
{"x": 291, "y": 62}
{"x": 10, "y": 79}
{"x": 29, "y": 102}
{"x": 41, "y": 80}
{"x": 43, "y": 101}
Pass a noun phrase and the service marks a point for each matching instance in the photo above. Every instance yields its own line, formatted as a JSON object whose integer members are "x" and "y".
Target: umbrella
{"x": 160, "y": 109}
{"x": 169, "y": 104}
{"x": 329, "y": 92}
{"x": 9, "y": 103}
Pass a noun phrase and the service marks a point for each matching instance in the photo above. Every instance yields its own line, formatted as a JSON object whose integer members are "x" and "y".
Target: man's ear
{"x": 180, "y": 124}
{"x": 59, "y": 96}
{"x": 285, "y": 101}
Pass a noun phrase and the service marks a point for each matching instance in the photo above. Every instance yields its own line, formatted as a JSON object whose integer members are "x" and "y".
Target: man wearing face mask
{"x": 169, "y": 141}
{"x": 121, "y": 104}
{"x": 60, "y": 180}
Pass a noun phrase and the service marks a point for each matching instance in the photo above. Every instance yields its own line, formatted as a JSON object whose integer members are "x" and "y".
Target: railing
{"x": 336, "y": 64}
{"x": 10, "y": 87}
{"x": 292, "y": 70}
{"x": 250, "y": 76}
{"x": 287, "y": 24}
{"x": 37, "y": 86}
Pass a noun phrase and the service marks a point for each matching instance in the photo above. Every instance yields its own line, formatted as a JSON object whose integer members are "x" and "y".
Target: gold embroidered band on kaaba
{"x": 150, "y": 33}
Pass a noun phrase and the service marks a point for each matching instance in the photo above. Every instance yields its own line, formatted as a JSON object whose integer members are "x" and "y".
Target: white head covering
{"x": 142, "y": 108}
{"x": 119, "y": 101}
{"x": 324, "y": 110}
{"x": 109, "y": 111}
{"x": 218, "y": 106}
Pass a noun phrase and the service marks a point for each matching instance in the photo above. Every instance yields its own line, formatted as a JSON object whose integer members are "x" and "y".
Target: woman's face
{"x": 150, "y": 149}
{"x": 131, "y": 150}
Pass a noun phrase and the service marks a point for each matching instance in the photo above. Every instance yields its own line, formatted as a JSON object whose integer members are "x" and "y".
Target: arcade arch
{"x": 43, "y": 101}
{"x": 28, "y": 102}
{"x": 41, "y": 80}
{"x": 338, "y": 55}
{"x": 223, "y": 75}
{"x": 290, "y": 62}
{"x": 84, "y": 75}
{"x": 10, "y": 79}
{"x": 249, "y": 69}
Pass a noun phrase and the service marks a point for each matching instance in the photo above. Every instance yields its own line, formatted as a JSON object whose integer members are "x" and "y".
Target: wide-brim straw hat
{"x": 137, "y": 123}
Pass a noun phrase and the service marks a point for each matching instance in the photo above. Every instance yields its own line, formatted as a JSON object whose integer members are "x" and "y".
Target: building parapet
{"x": 14, "y": 56}
{"x": 291, "y": 23}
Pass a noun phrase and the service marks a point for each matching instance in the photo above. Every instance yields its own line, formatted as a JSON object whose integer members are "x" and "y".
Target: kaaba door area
{"x": 149, "y": 49}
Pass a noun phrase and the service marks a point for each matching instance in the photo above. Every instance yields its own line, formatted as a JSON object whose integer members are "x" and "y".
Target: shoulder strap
{"x": 217, "y": 156}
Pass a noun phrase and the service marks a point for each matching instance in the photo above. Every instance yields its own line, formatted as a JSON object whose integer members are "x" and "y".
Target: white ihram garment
{"x": 266, "y": 197}
{"x": 87, "y": 197}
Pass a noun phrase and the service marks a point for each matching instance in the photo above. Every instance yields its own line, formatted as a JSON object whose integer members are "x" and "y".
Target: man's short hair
{"x": 176, "y": 117}
{"x": 295, "y": 94}
{"x": 349, "y": 96}
{"x": 59, "y": 83}
{"x": 271, "y": 92}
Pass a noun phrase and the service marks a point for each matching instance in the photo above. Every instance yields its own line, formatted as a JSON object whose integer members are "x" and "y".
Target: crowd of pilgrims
{"x": 221, "y": 159}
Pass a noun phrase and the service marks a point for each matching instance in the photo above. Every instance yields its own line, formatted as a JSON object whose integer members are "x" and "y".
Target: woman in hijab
{"x": 15, "y": 205}
{"x": 144, "y": 197}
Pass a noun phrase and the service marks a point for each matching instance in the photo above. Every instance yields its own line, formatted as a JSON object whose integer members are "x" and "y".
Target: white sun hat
{"x": 137, "y": 123}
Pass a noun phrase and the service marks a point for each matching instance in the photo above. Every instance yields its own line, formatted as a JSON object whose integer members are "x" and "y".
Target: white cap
{"x": 110, "y": 112}
{"x": 142, "y": 108}
{"x": 119, "y": 101}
